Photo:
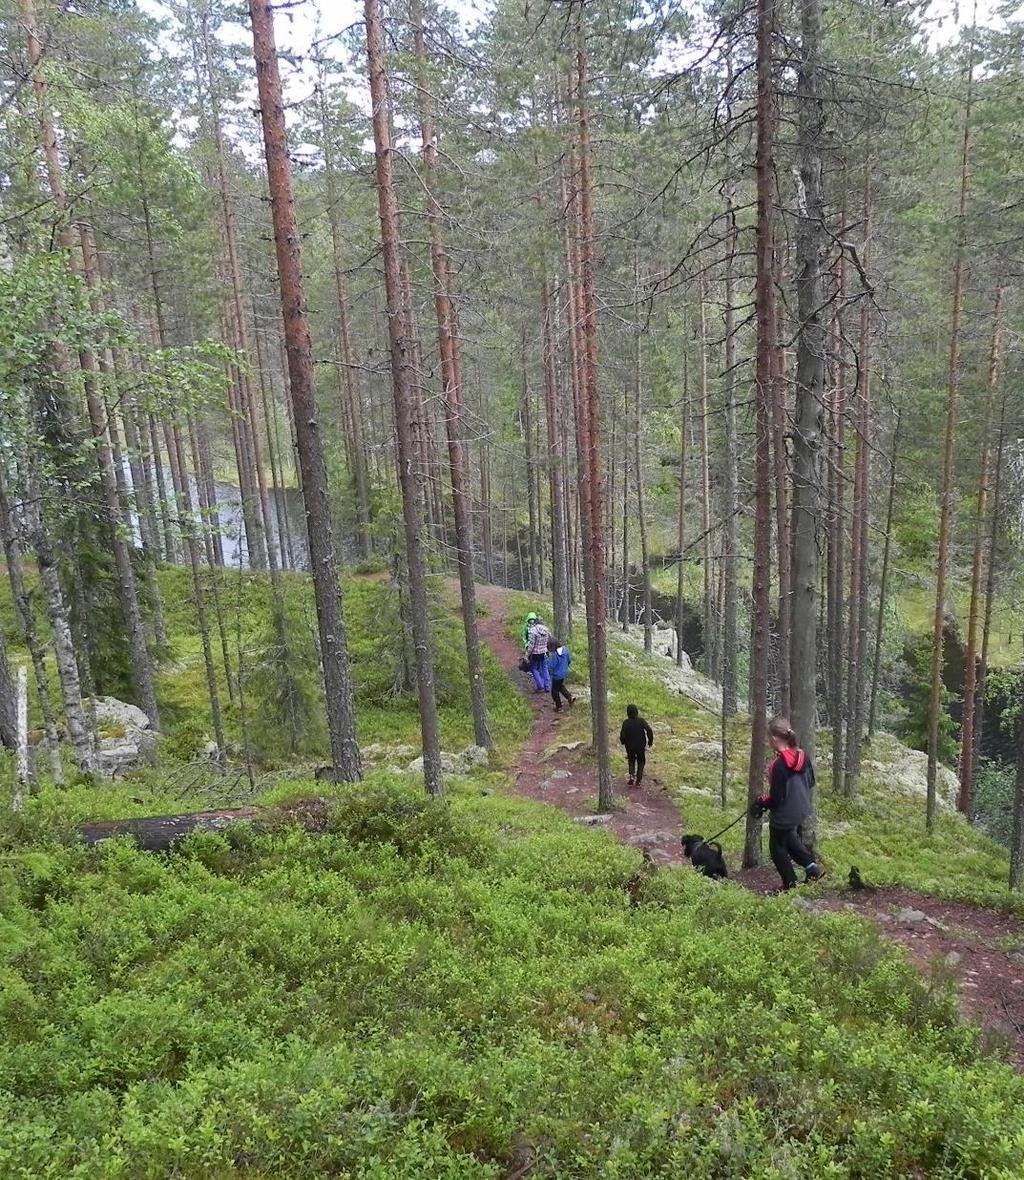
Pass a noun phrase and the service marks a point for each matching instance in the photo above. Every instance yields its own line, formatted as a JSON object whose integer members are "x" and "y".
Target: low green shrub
{"x": 454, "y": 990}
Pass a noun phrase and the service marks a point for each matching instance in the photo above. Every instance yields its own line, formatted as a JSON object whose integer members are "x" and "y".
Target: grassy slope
{"x": 882, "y": 831}
{"x": 912, "y": 602}
{"x": 916, "y": 607}
{"x": 432, "y": 990}
{"x": 374, "y": 630}
{"x": 374, "y": 634}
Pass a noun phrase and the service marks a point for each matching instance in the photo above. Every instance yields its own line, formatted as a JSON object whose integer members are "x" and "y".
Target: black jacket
{"x": 636, "y": 735}
{"x": 790, "y": 782}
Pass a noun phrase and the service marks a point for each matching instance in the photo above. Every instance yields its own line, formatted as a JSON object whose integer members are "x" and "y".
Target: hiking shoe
{"x": 629, "y": 783}
{"x": 819, "y": 874}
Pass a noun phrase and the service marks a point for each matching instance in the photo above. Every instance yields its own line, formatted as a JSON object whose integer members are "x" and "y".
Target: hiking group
{"x": 547, "y": 660}
{"x": 790, "y": 775}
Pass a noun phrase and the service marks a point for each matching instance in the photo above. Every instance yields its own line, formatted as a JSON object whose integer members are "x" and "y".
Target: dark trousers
{"x": 636, "y": 760}
{"x": 784, "y": 847}
{"x": 558, "y": 690}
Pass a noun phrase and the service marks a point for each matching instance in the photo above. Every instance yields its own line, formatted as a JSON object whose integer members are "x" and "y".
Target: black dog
{"x": 706, "y": 858}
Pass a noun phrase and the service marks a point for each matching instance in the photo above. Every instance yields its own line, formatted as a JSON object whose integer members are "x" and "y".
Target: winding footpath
{"x": 982, "y": 949}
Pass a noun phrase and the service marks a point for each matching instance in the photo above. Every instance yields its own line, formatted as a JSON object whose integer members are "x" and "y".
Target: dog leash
{"x": 742, "y": 815}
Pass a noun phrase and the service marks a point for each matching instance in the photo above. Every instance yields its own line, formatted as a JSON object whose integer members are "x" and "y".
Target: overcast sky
{"x": 298, "y": 23}
{"x": 301, "y": 22}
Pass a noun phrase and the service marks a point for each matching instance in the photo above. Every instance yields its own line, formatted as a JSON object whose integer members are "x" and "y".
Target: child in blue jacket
{"x": 559, "y": 662}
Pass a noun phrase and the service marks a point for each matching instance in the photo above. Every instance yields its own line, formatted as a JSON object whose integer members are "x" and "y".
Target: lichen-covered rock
{"x": 705, "y": 751}
{"x": 125, "y": 738}
{"x": 472, "y": 758}
{"x": 892, "y": 763}
{"x": 683, "y": 680}
{"x": 449, "y": 764}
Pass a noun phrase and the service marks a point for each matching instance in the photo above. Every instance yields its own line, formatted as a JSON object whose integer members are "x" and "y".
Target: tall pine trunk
{"x": 349, "y": 373}
{"x": 765, "y": 376}
{"x": 808, "y": 419}
{"x": 783, "y": 535}
{"x": 856, "y": 636}
{"x": 560, "y": 591}
{"x": 625, "y": 607}
{"x": 403, "y": 383}
{"x": 245, "y": 426}
{"x": 707, "y": 612}
{"x": 530, "y": 461}
{"x": 581, "y": 415}
{"x": 883, "y": 586}
{"x": 946, "y": 488}
{"x": 837, "y": 531}
{"x": 641, "y": 514}
{"x": 992, "y": 546}
{"x": 681, "y": 509}
{"x": 337, "y": 673}
{"x": 730, "y": 480}
{"x": 965, "y": 800}
{"x": 452, "y": 395}
{"x": 590, "y": 392}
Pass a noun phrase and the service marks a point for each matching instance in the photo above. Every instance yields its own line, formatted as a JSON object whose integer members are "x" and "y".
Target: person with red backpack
{"x": 788, "y": 803}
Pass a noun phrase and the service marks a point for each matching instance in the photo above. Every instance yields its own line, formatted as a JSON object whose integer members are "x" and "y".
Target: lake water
{"x": 229, "y": 512}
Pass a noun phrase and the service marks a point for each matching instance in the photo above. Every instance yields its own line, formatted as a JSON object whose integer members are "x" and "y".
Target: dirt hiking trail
{"x": 554, "y": 770}
{"x": 982, "y": 949}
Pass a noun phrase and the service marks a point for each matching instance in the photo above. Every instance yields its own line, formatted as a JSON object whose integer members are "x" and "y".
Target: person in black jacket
{"x": 636, "y": 735}
{"x": 788, "y": 802}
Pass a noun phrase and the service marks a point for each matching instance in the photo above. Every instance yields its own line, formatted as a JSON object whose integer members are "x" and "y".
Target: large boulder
{"x": 683, "y": 680}
{"x": 125, "y": 737}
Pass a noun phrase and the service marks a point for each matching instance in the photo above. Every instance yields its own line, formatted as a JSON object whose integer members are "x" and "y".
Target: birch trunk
{"x": 21, "y": 738}
{"x": 10, "y": 533}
